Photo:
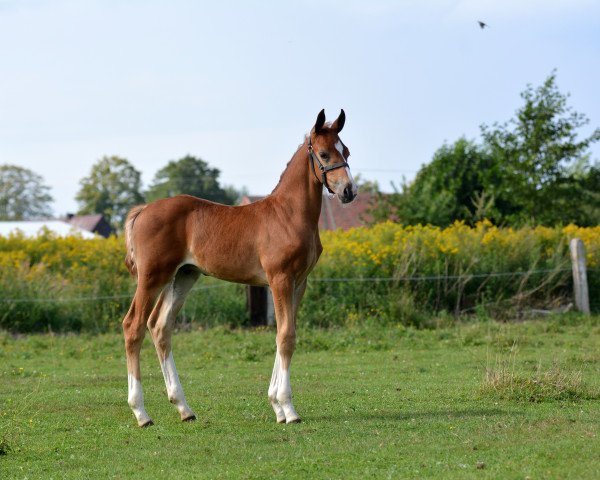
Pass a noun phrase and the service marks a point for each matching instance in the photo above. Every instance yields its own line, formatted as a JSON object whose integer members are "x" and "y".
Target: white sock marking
{"x": 280, "y": 393}
{"x": 174, "y": 388}
{"x": 135, "y": 398}
{"x": 284, "y": 396}
{"x": 273, "y": 390}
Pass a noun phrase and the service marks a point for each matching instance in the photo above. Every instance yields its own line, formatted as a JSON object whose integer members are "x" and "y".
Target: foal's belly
{"x": 232, "y": 269}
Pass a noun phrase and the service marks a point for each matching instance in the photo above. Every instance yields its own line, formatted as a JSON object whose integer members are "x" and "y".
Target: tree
{"x": 23, "y": 195}
{"x": 112, "y": 188}
{"x": 532, "y": 169}
{"x": 452, "y": 187}
{"x": 192, "y": 176}
{"x": 540, "y": 164}
{"x": 449, "y": 187}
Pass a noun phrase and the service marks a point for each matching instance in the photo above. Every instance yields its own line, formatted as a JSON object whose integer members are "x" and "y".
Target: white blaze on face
{"x": 340, "y": 148}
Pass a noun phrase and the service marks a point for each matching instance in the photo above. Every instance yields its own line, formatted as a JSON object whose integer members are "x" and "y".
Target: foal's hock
{"x": 274, "y": 242}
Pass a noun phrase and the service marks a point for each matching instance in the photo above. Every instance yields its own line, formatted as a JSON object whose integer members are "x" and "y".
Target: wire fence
{"x": 420, "y": 278}
{"x": 397, "y": 279}
{"x": 101, "y": 297}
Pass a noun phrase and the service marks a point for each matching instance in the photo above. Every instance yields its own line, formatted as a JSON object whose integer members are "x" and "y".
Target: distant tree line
{"x": 22, "y": 194}
{"x": 531, "y": 170}
{"x": 113, "y": 186}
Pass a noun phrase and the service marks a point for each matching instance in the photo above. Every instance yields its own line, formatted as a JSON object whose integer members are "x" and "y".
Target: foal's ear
{"x": 320, "y": 122}
{"x": 339, "y": 122}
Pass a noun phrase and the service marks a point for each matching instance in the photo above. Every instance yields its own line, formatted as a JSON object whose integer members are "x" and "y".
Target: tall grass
{"x": 425, "y": 270}
{"x": 384, "y": 274}
{"x": 557, "y": 383}
{"x": 61, "y": 284}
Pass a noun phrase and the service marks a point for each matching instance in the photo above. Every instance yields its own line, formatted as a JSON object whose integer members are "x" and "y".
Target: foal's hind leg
{"x": 161, "y": 323}
{"x": 134, "y": 328}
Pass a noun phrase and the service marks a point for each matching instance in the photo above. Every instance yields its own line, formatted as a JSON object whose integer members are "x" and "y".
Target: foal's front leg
{"x": 280, "y": 390}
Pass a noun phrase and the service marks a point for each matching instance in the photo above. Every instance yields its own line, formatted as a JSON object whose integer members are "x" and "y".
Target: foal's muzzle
{"x": 348, "y": 194}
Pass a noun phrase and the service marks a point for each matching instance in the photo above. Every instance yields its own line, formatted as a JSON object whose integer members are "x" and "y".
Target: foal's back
{"x": 221, "y": 240}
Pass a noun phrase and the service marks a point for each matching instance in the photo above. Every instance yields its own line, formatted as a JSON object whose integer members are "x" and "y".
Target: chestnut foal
{"x": 273, "y": 242}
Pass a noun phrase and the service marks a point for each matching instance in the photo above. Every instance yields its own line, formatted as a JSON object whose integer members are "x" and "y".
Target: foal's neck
{"x": 299, "y": 190}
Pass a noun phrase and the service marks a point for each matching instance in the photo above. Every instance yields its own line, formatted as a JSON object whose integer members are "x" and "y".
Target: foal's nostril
{"x": 348, "y": 193}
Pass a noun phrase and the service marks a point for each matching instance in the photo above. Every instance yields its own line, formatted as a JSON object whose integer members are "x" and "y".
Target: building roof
{"x": 34, "y": 227}
{"x": 87, "y": 222}
{"x": 246, "y": 199}
{"x": 95, "y": 223}
{"x": 334, "y": 214}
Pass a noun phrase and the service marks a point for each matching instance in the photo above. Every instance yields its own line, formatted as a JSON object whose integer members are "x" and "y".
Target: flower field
{"x": 410, "y": 272}
{"x": 387, "y": 273}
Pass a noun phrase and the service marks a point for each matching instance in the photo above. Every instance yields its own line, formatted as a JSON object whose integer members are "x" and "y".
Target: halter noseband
{"x": 312, "y": 155}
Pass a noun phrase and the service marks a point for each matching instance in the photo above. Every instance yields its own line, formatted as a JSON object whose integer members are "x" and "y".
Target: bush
{"x": 386, "y": 274}
{"x": 62, "y": 284}
{"x": 407, "y": 273}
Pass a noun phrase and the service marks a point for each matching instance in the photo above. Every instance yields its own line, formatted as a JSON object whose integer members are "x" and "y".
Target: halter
{"x": 312, "y": 155}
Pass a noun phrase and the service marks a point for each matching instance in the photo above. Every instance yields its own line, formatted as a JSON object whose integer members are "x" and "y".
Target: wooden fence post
{"x": 270, "y": 308}
{"x": 580, "y": 285}
{"x": 259, "y": 301}
{"x": 256, "y": 302}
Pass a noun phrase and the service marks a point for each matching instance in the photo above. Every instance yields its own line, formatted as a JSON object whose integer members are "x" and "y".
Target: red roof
{"x": 87, "y": 222}
{"x": 94, "y": 223}
{"x": 334, "y": 214}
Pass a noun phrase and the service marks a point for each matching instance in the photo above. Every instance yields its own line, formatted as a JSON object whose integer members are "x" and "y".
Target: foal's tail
{"x": 130, "y": 257}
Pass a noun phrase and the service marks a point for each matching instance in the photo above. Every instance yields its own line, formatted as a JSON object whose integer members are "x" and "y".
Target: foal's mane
{"x": 325, "y": 127}
{"x": 289, "y": 163}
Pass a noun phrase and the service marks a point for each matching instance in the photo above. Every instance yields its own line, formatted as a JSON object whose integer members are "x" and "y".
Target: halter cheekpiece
{"x": 312, "y": 155}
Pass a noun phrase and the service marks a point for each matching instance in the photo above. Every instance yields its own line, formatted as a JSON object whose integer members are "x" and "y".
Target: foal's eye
{"x": 324, "y": 155}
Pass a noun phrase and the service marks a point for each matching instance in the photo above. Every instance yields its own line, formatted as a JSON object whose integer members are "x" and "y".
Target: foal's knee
{"x": 286, "y": 340}
{"x": 133, "y": 336}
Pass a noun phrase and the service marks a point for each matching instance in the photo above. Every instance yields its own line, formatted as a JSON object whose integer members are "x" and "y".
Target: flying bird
{"x": 482, "y": 25}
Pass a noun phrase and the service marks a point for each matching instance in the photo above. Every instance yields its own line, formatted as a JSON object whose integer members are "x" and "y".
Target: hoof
{"x": 281, "y": 420}
{"x": 149, "y": 423}
{"x": 294, "y": 420}
{"x": 191, "y": 418}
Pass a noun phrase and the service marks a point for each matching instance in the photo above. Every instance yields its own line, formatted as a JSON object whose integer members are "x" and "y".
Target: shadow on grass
{"x": 407, "y": 416}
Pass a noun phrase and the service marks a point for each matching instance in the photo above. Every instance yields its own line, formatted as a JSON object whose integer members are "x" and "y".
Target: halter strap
{"x": 312, "y": 155}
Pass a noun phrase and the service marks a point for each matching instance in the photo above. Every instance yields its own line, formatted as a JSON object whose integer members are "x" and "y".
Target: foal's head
{"x": 329, "y": 157}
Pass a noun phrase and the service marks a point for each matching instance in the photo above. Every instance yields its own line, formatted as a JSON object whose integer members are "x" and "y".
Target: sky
{"x": 239, "y": 83}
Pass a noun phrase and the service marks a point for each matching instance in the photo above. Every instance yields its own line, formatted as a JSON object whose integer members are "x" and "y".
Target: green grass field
{"x": 482, "y": 400}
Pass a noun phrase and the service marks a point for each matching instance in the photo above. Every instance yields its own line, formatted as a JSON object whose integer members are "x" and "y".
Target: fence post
{"x": 270, "y": 308}
{"x": 259, "y": 301}
{"x": 256, "y": 302}
{"x": 580, "y": 285}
